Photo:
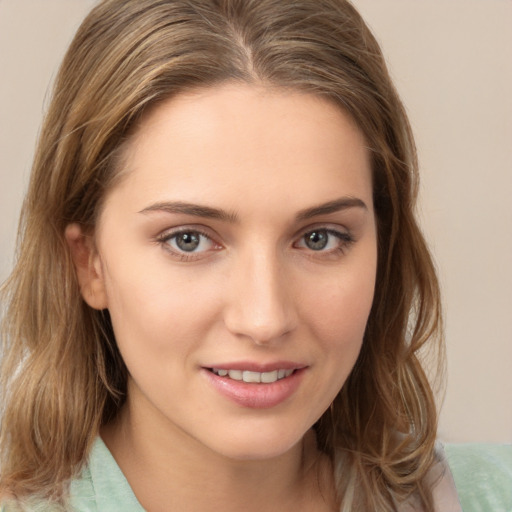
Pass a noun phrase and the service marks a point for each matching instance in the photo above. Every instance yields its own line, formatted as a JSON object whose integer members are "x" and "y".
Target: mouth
{"x": 252, "y": 377}
{"x": 256, "y": 386}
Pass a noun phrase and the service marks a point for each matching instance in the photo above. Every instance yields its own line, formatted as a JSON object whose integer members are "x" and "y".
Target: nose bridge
{"x": 261, "y": 305}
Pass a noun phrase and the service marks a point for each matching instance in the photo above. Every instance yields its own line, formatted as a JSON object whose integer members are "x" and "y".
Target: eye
{"x": 188, "y": 242}
{"x": 185, "y": 242}
{"x": 317, "y": 240}
{"x": 324, "y": 240}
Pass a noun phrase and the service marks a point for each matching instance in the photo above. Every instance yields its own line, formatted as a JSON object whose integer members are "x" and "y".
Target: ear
{"x": 87, "y": 265}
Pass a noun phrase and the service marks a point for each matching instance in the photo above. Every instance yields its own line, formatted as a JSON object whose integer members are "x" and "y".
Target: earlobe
{"x": 87, "y": 266}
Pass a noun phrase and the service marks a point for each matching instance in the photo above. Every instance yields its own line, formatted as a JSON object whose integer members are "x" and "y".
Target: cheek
{"x": 151, "y": 308}
{"x": 336, "y": 311}
{"x": 338, "y": 307}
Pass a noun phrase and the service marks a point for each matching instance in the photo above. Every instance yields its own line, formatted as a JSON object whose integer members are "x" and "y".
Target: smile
{"x": 253, "y": 377}
{"x": 242, "y": 384}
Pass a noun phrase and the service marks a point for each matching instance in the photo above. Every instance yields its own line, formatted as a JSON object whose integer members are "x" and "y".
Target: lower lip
{"x": 253, "y": 395}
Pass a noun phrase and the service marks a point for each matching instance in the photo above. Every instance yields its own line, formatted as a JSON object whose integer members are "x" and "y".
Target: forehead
{"x": 239, "y": 141}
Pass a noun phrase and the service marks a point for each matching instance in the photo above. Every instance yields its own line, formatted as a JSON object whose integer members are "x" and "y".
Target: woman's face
{"x": 237, "y": 258}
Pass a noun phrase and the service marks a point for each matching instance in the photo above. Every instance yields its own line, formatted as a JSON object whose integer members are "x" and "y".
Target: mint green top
{"x": 102, "y": 487}
{"x": 482, "y": 474}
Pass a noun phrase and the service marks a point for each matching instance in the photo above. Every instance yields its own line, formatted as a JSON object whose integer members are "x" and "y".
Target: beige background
{"x": 452, "y": 63}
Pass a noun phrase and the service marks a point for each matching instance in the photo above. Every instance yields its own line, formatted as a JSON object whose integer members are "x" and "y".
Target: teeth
{"x": 235, "y": 374}
{"x": 269, "y": 377}
{"x": 253, "y": 377}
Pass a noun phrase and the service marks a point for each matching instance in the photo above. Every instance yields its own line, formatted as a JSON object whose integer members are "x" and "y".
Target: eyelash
{"x": 345, "y": 241}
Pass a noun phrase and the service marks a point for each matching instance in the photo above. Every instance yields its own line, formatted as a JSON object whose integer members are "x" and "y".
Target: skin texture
{"x": 252, "y": 291}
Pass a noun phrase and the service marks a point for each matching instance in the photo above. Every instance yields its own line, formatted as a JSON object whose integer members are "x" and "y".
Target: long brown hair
{"x": 62, "y": 376}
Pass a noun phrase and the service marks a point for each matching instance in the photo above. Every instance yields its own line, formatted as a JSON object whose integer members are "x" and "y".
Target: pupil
{"x": 187, "y": 241}
{"x": 316, "y": 240}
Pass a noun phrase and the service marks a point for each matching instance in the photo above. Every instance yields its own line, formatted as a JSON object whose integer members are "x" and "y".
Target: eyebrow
{"x": 334, "y": 206}
{"x": 197, "y": 210}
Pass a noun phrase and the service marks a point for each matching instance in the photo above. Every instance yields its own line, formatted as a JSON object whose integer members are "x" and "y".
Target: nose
{"x": 260, "y": 305}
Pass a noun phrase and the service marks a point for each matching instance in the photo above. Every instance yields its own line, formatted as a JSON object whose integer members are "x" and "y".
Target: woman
{"x": 221, "y": 291}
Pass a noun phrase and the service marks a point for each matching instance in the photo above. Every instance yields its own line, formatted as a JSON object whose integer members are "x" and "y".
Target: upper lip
{"x": 253, "y": 366}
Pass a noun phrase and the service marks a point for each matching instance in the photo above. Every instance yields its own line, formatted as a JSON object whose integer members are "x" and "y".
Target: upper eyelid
{"x": 170, "y": 232}
{"x": 326, "y": 226}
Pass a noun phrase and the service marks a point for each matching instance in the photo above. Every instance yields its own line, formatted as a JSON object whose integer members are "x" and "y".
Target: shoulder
{"x": 483, "y": 476}
{"x": 80, "y": 499}
{"x": 99, "y": 486}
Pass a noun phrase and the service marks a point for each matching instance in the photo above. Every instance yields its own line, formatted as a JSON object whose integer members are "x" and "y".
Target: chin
{"x": 259, "y": 442}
